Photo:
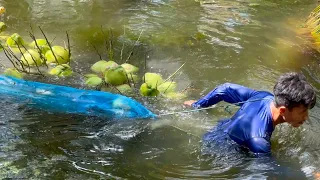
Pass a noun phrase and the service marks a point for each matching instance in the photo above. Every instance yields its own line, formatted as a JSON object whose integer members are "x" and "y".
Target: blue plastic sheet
{"x": 63, "y": 99}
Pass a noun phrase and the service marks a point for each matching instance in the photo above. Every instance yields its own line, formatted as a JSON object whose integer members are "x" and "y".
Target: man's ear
{"x": 282, "y": 110}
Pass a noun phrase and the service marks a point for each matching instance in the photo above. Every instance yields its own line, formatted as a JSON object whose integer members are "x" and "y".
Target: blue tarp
{"x": 55, "y": 98}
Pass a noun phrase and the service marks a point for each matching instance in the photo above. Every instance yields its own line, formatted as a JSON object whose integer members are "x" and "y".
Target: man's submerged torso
{"x": 252, "y": 125}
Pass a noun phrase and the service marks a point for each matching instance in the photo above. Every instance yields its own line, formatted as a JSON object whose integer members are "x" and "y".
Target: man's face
{"x": 297, "y": 116}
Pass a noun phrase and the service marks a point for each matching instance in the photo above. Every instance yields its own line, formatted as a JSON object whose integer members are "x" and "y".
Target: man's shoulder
{"x": 262, "y": 94}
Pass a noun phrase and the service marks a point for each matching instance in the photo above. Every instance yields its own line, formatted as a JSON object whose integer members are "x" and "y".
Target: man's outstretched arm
{"x": 228, "y": 92}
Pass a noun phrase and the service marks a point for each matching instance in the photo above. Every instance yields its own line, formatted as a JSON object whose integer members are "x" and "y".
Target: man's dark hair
{"x": 293, "y": 90}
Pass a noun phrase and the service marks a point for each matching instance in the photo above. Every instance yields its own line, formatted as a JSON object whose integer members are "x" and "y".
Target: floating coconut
{"x": 90, "y": 75}
{"x": 60, "y": 53}
{"x": 62, "y": 70}
{"x": 15, "y": 39}
{"x": 148, "y": 90}
{"x": 167, "y": 87}
{"x": 153, "y": 79}
{"x": 93, "y": 81}
{"x": 18, "y": 51}
{"x": 124, "y": 89}
{"x": 40, "y": 42}
{"x": 31, "y": 58}
{"x": 102, "y": 65}
{"x": 13, "y": 73}
{"x": 115, "y": 76}
{"x": 130, "y": 68}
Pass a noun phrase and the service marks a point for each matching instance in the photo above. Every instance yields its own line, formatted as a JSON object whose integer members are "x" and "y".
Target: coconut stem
{"x": 49, "y": 44}
{"x": 22, "y": 54}
{"x": 31, "y": 34}
{"x": 38, "y": 48}
{"x": 32, "y": 59}
{"x": 18, "y": 60}
{"x": 8, "y": 56}
{"x": 69, "y": 48}
{"x": 135, "y": 44}
{"x": 124, "y": 33}
{"x": 172, "y": 75}
{"x": 97, "y": 51}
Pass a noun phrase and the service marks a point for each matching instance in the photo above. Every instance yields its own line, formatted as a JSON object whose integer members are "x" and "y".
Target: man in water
{"x": 260, "y": 111}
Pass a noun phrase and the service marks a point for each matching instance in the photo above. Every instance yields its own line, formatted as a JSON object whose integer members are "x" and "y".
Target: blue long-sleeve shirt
{"x": 251, "y": 126}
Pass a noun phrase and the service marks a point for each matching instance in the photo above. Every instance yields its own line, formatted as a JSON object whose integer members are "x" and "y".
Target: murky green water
{"x": 246, "y": 42}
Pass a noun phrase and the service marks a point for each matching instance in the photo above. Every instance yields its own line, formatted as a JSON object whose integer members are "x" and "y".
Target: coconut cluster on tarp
{"x": 113, "y": 74}
{"x": 121, "y": 76}
{"x": 154, "y": 85}
{"x": 38, "y": 53}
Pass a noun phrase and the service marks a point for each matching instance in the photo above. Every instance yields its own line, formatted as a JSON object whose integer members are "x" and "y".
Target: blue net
{"x": 55, "y": 98}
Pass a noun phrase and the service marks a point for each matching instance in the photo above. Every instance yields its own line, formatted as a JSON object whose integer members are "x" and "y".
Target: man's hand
{"x": 189, "y": 103}
{"x": 316, "y": 175}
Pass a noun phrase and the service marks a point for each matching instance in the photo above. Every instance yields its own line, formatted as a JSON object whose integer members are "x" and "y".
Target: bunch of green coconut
{"x": 124, "y": 78}
{"x": 33, "y": 56}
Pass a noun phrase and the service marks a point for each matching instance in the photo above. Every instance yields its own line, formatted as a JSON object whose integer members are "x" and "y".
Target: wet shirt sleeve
{"x": 260, "y": 146}
{"x": 228, "y": 92}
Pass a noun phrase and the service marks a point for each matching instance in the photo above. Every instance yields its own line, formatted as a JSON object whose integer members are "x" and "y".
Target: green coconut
{"x": 93, "y": 81}
{"x": 60, "y": 53}
{"x": 115, "y": 76}
{"x": 40, "y": 42}
{"x": 167, "y": 87}
{"x": 15, "y": 39}
{"x": 90, "y": 75}
{"x": 148, "y": 90}
{"x": 153, "y": 79}
{"x": 108, "y": 65}
{"x": 175, "y": 95}
{"x": 3, "y": 27}
{"x": 62, "y": 70}
{"x": 124, "y": 89}
{"x": 17, "y": 51}
{"x": 130, "y": 68}
{"x": 44, "y": 49}
{"x": 31, "y": 58}
{"x": 102, "y": 65}
{"x": 13, "y": 73}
